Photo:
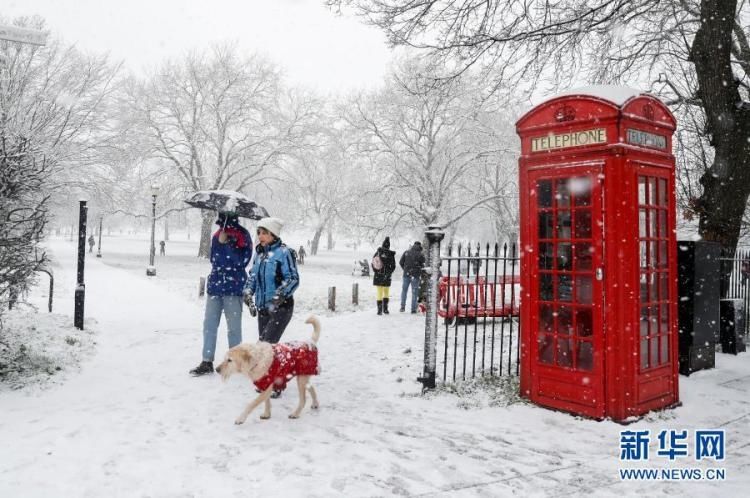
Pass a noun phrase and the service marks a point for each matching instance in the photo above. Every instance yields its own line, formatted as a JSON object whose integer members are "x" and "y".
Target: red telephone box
{"x": 598, "y": 260}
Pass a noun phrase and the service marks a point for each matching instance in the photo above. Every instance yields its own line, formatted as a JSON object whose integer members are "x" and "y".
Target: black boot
{"x": 204, "y": 368}
{"x": 380, "y": 307}
{"x": 385, "y": 305}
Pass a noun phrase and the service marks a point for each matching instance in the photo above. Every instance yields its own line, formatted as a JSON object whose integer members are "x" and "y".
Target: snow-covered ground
{"x": 129, "y": 421}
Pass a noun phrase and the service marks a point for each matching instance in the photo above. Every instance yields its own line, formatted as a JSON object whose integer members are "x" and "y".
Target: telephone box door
{"x": 566, "y": 298}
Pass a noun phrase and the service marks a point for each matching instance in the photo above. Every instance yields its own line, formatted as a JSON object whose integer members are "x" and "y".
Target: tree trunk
{"x": 316, "y": 241}
{"x": 207, "y": 221}
{"x": 166, "y": 229}
{"x": 330, "y": 240}
{"x": 726, "y": 184}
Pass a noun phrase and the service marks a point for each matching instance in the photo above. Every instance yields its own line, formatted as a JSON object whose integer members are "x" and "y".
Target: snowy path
{"x": 133, "y": 423}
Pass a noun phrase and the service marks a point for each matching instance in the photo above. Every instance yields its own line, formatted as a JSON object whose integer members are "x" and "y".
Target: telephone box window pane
{"x": 583, "y": 256}
{"x": 562, "y": 196}
{"x": 644, "y": 287}
{"x": 663, "y": 349}
{"x": 584, "y": 286}
{"x": 644, "y": 354}
{"x": 563, "y": 224}
{"x": 664, "y": 286}
{"x": 545, "y": 225}
{"x": 652, "y": 191}
{"x": 663, "y": 201}
{"x": 585, "y": 355}
{"x": 581, "y": 190}
{"x": 544, "y": 193}
{"x": 652, "y": 254}
{"x": 653, "y": 286}
{"x": 643, "y": 255}
{"x": 583, "y": 224}
{"x": 662, "y": 223}
{"x": 653, "y": 218}
{"x": 564, "y": 320}
{"x": 546, "y": 256}
{"x": 644, "y": 321}
{"x": 564, "y": 256}
{"x": 641, "y": 190}
{"x": 663, "y": 260}
{"x": 546, "y": 351}
{"x": 584, "y": 326}
{"x": 545, "y": 287}
{"x": 546, "y": 318}
{"x": 642, "y": 223}
{"x": 664, "y": 319}
{"x": 654, "y": 351}
{"x": 653, "y": 320}
{"x": 564, "y": 352}
{"x": 564, "y": 288}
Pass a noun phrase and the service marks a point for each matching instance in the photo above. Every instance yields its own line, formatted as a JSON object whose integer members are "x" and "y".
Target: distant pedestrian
{"x": 301, "y": 255}
{"x": 231, "y": 251}
{"x": 162, "y": 248}
{"x": 91, "y": 243}
{"x": 412, "y": 261}
{"x": 745, "y": 270}
{"x": 383, "y": 265}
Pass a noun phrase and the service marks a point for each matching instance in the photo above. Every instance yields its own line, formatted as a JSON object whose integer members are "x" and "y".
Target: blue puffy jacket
{"x": 274, "y": 273}
{"x": 228, "y": 262}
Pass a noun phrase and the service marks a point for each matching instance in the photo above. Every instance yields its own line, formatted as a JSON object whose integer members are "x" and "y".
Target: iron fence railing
{"x": 478, "y": 304}
{"x": 737, "y": 286}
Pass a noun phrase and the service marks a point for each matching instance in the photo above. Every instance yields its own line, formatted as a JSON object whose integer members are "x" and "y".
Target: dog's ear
{"x": 243, "y": 356}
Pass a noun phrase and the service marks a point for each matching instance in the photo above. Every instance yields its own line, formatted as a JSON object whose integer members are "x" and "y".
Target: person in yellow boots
{"x": 383, "y": 265}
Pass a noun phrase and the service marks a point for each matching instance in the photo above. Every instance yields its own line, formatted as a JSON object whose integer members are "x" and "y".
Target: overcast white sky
{"x": 315, "y": 47}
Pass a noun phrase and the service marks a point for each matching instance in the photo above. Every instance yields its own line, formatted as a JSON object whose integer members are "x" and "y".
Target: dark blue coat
{"x": 228, "y": 262}
{"x": 274, "y": 272}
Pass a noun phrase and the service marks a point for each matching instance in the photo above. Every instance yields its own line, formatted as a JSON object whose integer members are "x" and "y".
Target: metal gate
{"x": 478, "y": 308}
{"x": 738, "y": 286}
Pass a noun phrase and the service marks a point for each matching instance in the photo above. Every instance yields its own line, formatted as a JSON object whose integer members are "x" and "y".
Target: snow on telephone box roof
{"x": 617, "y": 94}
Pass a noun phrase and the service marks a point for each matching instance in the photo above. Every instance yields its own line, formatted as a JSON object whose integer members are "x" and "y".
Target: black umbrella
{"x": 227, "y": 201}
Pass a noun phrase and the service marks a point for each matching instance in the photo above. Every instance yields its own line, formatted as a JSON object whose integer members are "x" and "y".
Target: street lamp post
{"x": 99, "y": 249}
{"x": 151, "y": 270}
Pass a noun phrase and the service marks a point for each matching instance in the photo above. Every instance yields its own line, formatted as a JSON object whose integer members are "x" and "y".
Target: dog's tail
{"x": 312, "y": 319}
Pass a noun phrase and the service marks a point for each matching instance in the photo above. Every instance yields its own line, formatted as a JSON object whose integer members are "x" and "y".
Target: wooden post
{"x": 355, "y": 294}
{"x": 332, "y": 298}
{"x": 202, "y": 287}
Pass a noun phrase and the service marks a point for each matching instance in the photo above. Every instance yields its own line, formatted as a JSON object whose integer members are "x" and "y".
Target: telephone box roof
{"x": 617, "y": 94}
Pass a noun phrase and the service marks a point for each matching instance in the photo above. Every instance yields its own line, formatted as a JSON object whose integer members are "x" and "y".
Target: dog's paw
{"x": 239, "y": 421}
{"x": 265, "y": 417}
{"x": 293, "y": 415}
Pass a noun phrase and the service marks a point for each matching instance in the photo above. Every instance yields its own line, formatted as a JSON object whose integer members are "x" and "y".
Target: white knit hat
{"x": 273, "y": 225}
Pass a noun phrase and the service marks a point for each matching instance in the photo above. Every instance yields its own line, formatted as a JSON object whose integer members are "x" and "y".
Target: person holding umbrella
{"x": 273, "y": 280}
{"x": 231, "y": 251}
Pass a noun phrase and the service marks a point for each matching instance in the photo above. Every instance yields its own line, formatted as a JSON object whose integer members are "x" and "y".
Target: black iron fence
{"x": 737, "y": 286}
{"x": 478, "y": 308}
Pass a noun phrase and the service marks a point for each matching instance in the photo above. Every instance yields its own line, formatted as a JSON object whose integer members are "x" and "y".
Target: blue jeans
{"x": 232, "y": 307}
{"x": 406, "y": 282}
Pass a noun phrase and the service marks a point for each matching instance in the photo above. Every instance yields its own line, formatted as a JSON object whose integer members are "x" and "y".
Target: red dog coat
{"x": 289, "y": 359}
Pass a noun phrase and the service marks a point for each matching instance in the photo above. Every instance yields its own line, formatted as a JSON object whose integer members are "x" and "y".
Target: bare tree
{"x": 420, "y": 134}
{"x": 51, "y": 123}
{"x": 215, "y": 121}
{"x": 697, "y": 51}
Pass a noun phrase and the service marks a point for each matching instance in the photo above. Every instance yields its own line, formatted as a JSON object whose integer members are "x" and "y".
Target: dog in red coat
{"x": 271, "y": 366}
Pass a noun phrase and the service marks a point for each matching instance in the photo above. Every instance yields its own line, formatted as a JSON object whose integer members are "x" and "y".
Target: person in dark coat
{"x": 231, "y": 251}
{"x": 412, "y": 262}
{"x": 383, "y": 265}
{"x": 162, "y": 248}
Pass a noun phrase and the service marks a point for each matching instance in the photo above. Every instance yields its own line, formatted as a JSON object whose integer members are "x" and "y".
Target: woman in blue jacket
{"x": 231, "y": 251}
{"x": 273, "y": 280}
